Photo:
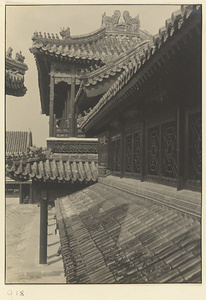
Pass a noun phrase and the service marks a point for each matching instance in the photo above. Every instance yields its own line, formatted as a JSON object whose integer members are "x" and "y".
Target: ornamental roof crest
{"x": 65, "y": 33}
{"x": 19, "y": 57}
{"x": 121, "y": 23}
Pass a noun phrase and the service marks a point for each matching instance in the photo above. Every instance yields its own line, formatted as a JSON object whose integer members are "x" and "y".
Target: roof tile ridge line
{"x": 146, "y": 32}
{"x": 16, "y": 62}
{"x": 117, "y": 61}
{"x": 97, "y": 32}
{"x": 104, "y": 99}
{"x": 76, "y": 38}
{"x": 108, "y": 95}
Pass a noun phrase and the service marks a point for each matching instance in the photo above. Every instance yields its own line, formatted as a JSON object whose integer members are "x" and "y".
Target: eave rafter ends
{"x": 52, "y": 170}
{"x": 166, "y": 33}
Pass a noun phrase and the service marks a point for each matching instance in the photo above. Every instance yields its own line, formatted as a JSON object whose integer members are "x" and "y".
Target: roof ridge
{"x": 174, "y": 23}
{"x": 47, "y": 37}
{"x": 119, "y": 60}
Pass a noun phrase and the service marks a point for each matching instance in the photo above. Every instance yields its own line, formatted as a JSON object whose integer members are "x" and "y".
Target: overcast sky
{"x": 24, "y": 113}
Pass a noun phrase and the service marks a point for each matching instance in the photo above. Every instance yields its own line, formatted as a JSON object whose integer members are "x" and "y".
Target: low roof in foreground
{"x": 112, "y": 236}
{"x": 52, "y": 170}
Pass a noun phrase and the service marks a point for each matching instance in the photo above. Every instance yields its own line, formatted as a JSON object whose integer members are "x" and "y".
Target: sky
{"x": 24, "y": 113}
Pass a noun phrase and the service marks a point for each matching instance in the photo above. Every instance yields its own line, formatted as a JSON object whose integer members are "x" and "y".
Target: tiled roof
{"x": 118, "y": 65}
{"x": 112, "y": 236}
{"x": 188, "y": 202}
{"x": 102, "y": 45}
{"x": 15, "y": 70}
{"x": 53, "y": 170}
{"x": 97, "y": 52}
{"x": 18, "y": 141}
{"x": 166, "y": 33}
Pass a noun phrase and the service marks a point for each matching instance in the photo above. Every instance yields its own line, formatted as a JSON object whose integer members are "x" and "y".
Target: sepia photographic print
{"x": 103, "y": 145}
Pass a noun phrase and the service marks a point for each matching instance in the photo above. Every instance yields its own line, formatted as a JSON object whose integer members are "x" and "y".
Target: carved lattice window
{"x": 168, "y": 147}
{"x": 195, "y": 146}
{"x": 137, "y": 153}
{"x": 153, "y": 150}
{"x": 162, "y": 150}
{"x": 128, "y": 154}
{"x": 115, "y": 153}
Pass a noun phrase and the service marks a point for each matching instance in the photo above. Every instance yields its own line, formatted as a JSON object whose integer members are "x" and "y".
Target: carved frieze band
{"x": 64, "y": 147}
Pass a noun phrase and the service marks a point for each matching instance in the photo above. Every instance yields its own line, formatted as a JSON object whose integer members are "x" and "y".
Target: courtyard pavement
{"x": 22, "y": 246}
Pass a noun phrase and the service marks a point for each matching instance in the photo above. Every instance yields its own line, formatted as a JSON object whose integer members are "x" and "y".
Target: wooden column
{"x": 51, "y": 106}
{"x": 122, "y": 150}
{"x": 43, "y": 225}
{"x": 20, "y": 194}
{"x": 30, "y": 193}
{"x": 68, "y": 115}
{"x": 180, "y": 145}
{"x": 142, "y": 145}
{"x": 72, "y": 108}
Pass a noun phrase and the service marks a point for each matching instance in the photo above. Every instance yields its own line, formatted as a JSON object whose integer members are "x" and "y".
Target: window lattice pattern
{"x": 169, "y": 152}
{"x": 195, "y": 146}
{"x": 128, "y": 154}
{"x": 137, "y": 153}
{"x": 153, "y": 150}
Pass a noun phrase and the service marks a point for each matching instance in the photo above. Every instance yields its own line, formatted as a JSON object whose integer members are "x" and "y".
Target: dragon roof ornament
{"x": 19, "y": 57}
{"x": 121, "y": 23}
{"x": 65, "y": 33}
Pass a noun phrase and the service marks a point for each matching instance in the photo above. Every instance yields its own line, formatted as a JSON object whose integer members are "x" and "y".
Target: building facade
{"x": 149, "y": 121}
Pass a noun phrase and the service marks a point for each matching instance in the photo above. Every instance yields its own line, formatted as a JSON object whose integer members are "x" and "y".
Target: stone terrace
{"x": 111, "y": 236}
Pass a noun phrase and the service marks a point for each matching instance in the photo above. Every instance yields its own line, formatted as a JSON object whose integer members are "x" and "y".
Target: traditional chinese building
{"x": 149, "y": 120}
{"x": 15, "y": 71}
{"x": 75, "y": 71}
{"x": 141, "y": 96}
{"x": 85, "y": 75}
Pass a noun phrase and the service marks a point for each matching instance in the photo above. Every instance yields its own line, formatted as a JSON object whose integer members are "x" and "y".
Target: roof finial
{"x": 9, "y": 52}
{"x": 19, "y": 57}
{"x": 65, "y": 33}
{"x": 121, "y": 23}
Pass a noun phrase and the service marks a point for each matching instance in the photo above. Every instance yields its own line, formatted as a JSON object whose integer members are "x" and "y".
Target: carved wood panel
{"x": 153, "y": 151}
{"x": 128, "y": 154}
{"x": 137, "y": 153}
{"x": 195, "y": 145}
{"x": 115, "y": 153}
{"x": 162, "y": 150}
{"x": 168, "y": 149}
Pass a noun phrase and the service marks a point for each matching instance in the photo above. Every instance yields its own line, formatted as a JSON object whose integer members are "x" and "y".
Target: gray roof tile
{"x": 116, "y": 246}
{"x": 37, "y": 169}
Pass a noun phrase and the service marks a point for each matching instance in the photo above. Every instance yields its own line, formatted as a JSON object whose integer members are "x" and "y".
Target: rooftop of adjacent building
{"x": 18, "y": 141}
{"x": 15, "y": 71}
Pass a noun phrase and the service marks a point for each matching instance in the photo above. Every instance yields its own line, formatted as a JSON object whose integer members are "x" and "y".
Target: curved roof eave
{"x": 172, "y": 25}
